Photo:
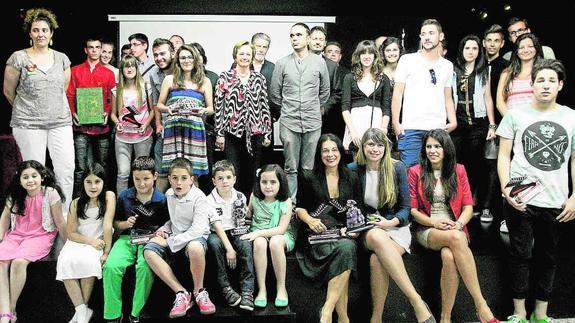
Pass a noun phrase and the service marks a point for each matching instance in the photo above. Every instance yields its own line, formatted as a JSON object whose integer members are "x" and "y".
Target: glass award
{"x": 355, "y": 219}
{"x": 239, "y": 217}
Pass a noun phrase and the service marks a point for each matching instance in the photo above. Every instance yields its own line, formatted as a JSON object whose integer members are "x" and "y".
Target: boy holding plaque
{"x": 89, "y": 97}
{"x": 225, "y": 245}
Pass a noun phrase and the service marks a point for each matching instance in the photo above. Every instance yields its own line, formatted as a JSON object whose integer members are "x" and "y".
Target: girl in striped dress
{"x": 186, "y": 96}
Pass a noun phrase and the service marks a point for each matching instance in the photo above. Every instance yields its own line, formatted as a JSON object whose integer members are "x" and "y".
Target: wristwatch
{"x": 493, "y": 126}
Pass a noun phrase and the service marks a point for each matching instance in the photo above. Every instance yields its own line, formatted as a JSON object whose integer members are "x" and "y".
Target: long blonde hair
{"x": 387, "y": 192}
{"x": 128, "y": 61}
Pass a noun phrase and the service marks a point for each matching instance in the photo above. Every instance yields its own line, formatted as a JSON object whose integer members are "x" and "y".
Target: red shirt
{"x": 462, "y": 197}
{"x": 99, "y": 77}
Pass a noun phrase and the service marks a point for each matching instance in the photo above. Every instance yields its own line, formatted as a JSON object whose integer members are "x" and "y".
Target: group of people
{"x": 175, "y": 110}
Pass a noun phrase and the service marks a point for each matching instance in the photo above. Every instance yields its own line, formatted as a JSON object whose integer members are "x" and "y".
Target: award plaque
{"x": 90, "y": 105}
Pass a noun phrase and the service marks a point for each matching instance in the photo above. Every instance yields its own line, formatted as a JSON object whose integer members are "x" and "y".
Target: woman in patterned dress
{"x": 186, "y": 96}
{"x": 243, "y": 120}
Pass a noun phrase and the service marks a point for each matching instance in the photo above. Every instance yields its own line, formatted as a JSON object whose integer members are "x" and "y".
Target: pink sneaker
{"x": 204, "y": 303}
{"x": 182, "y": 304}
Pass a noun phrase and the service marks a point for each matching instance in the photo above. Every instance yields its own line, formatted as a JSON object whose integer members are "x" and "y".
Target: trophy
{"x": 138, "y": 235}
{"x": 239, "y": 217}
{"x": 355, "y": 219}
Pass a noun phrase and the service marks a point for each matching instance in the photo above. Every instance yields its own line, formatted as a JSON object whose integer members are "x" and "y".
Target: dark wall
{"x": 554, "y": 25}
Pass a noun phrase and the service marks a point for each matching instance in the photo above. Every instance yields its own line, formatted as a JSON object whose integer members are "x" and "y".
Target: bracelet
{"x": 460, "y": 224}
{"x": 493, "y": 126}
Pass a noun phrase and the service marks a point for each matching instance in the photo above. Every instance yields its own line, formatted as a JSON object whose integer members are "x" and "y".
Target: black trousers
{"x": 540, "y": 224}
{"x": 469, "y": 141}
{"x": 245, "y": 164}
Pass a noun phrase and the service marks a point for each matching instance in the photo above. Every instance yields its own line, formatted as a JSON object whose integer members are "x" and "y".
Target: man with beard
{"x": 423, "y": 82}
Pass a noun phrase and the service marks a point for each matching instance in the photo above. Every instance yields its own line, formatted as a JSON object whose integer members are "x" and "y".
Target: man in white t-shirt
{"x": 423, "y": 82}
{"x": 542, "y": 138}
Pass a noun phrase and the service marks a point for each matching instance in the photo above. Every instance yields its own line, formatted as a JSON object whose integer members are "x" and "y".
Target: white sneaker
{"x": 486, "y": 216}
{"x": 503, "y": 228}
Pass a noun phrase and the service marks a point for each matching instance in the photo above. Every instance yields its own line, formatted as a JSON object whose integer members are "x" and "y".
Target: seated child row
{"x": 150, "y": 228}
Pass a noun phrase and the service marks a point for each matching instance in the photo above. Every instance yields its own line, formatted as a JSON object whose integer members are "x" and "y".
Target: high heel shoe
{"x": 492, "y": 320}
{"x": 431, "y": 318}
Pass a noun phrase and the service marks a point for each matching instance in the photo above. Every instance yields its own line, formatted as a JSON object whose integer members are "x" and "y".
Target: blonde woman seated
{"x": 385, "y": 193}
{"x": 441, "y": 203}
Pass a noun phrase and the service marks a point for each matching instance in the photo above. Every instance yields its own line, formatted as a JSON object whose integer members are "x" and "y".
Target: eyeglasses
{"x": 518, "y": 32}
{"x": 184, "y": 58}
{"x": 433, "y": 77}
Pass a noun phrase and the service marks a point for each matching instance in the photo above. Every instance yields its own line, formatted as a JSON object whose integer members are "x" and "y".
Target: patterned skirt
{"x": 185, "y": 136}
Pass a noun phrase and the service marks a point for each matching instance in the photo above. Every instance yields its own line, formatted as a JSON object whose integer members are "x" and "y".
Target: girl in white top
{"x": 89, "y": 231}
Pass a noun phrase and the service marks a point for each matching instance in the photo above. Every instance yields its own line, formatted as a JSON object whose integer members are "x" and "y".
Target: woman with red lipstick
{"x": 441, "y": 203}
{"x": 328, "y": 186}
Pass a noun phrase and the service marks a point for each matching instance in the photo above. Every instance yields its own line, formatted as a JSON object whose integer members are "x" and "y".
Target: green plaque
{"x": 90, "y": 105}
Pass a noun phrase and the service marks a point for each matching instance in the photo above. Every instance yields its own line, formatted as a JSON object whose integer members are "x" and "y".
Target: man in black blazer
{"x": 332, "y": 120}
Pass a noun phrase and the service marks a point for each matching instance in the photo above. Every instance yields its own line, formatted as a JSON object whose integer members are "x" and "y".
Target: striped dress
{"x": 184, "y": 134}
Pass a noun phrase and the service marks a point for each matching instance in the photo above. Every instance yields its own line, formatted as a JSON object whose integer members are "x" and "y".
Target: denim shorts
{"x": 165, "y": 252}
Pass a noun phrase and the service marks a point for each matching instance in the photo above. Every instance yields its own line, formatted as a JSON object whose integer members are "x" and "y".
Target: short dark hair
{"x": 301, "y": 24}
{"x": 549, "y": 64}
{"x": 283, "y": 193}
{"x": 125, "y": 46}
{"x": 180, "y": 37}
{"x": 319, "y": 28}
{"x": 333, "y": 43}
{"x": 141, "y": 37}
{"x": 514, "y": 20}
{"x": 494, "y": 29}
{"x": 163, "y": 41}
{"x": 222, "y": 166}
{"x": 144, "y": 163}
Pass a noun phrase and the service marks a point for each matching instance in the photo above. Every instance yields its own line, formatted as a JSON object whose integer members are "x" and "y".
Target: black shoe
{"x": 247, "y": 302}
{"x": 118, "y": 320}
{"x": 135, "y": 319}
{"x": 231, "y": 296}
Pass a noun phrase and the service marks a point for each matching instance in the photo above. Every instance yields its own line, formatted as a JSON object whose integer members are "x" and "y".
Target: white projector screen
{"x": 217, "y": 34}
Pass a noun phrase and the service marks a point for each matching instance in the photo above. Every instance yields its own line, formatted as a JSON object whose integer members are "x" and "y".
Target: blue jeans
{"x": 299, "y": 149}
{"x": 409, "y": 146}
{"x": 124, "y": 159}
{"x": 245, "y": 261}
{"x": 89, "y": 149}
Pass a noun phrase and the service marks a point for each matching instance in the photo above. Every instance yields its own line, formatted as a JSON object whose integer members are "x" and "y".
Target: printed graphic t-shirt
{"x": 542, "y": 145}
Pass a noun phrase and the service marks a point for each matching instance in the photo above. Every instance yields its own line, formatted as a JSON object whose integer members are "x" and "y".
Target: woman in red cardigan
{"x": 441, "y": 203}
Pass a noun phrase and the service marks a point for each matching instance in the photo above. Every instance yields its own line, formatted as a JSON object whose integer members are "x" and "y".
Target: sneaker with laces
{"x": 231, "y": 296}
{"x": 486, "y": 216}
{"x": 533, "y": 319}
{"x": 516, "y": 319}
{"x": 204, "y": 303}
{"x": 182, "y": 304}
{"x": 503, "y": 228}
{"x": 247, "y": 302}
